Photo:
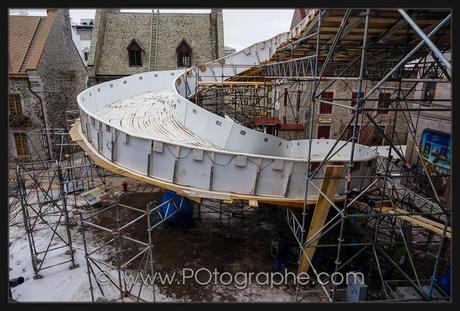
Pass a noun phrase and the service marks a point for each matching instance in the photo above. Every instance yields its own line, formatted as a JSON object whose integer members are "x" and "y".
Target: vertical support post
{"x": 329, "y": 187}
{"x": 86, "y": 256}
{"x": 149, "y": 233}
{"x": 310, "y": 134}
{"x": 66, "y": 214}
{"x": 348, "y": 180}
{"x": 25, "y": 218}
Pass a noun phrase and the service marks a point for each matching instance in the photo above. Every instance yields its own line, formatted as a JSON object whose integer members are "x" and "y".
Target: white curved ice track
{"x": 145, "y": 124}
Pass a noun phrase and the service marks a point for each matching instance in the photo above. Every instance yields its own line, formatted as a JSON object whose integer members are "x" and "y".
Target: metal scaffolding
{"x": 403, "y": 205}
{"x": 130, "y": 274}
{"x": 46, "y": 190}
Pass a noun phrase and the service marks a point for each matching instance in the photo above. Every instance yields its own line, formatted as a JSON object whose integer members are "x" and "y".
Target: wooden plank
{"x": 194, "y": 199}
{"x": 329, "y": 188}
{"x": 420, "y": 221}
{"x": 234, "y": 83}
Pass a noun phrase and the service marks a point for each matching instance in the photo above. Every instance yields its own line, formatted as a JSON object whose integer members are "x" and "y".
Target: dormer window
{"x": 184, "y": 54}
{"x": 135, "y": 50}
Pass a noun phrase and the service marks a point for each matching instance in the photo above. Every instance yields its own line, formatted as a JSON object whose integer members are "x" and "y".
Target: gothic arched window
{"x": 184, "y": 54}
{"x": 135, "y": 50}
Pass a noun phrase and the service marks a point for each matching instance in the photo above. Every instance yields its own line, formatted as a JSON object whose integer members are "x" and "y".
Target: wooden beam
{"x": 329, "y": 187}
{"x": 234, "y": 83}
{"x": 419, "y": 221}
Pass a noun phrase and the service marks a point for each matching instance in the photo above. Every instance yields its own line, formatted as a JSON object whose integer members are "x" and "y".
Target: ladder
{"x": 154, "y": 40}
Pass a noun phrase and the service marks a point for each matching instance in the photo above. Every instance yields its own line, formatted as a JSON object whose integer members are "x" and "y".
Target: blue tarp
{"x": 444, "y": 281}
{"x": 183, "y": 216}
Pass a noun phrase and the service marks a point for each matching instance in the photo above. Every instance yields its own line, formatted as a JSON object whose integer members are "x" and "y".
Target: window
{"x": 184, "y": 54}
{"x": 135, "y": 53}
{"x": 184, "y": 59}
{"x": 86, "y": 55}
{"x": 429, "y": 89}
{"x": 324, "y": 131}
{"x": 21, "y": 144}
{"x": 384, "y": 101}
{"x": 323, "y": 107}
{"x": 15, "y": 105}
{"x": 353, "y": 99}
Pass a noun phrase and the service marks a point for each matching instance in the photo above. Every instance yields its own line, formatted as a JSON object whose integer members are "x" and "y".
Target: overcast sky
{"x": 241, "y": 27}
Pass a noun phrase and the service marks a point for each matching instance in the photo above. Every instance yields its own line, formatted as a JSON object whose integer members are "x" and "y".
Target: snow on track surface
{"x": 152, "y": 115}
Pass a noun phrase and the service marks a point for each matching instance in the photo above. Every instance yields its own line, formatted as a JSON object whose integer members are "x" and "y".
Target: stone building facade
{"x": 432, "y": 95}
{"x": 117, "y": 36}
{"x": 45, "y": 75}
{"x": 435, "y": 120}
{"x": 293, "y": 107}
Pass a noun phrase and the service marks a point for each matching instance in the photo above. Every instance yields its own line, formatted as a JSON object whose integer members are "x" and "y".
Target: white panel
{"x": 269, "y": 181}
{"x": 163, "y": 163}
{"x": 296, "y": 188}
{"x": 134, "y": 155}
{"x": 231, "y": 178}
{"x": 190, "y": 172}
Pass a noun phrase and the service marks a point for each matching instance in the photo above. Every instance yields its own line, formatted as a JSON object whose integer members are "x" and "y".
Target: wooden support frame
{"x": 329, "y": 186}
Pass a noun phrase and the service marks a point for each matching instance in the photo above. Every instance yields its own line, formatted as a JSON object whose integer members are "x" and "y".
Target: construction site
{"x": 323, "y": 151}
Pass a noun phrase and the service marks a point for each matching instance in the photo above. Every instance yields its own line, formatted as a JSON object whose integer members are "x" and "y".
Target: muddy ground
{"x": 222, "y": 243}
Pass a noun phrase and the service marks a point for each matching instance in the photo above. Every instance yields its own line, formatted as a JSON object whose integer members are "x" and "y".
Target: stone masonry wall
{"x": 121, "y": 28}
{"x": 340, "y": 116}
{"x": 33, "y": 117}
{"x": 194, "y": 28}
{"x": 62, "y": 71}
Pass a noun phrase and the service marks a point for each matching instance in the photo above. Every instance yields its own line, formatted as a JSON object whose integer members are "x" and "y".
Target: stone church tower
{"x": 126, "y": 43}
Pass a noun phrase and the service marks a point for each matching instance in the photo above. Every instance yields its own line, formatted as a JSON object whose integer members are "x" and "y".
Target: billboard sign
{"x": 436, "y": 150}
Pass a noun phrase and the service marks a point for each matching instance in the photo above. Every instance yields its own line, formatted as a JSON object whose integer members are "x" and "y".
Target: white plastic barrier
{"x": 241, "y": 161}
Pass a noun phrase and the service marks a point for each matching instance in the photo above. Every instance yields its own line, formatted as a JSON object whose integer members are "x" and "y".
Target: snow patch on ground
{"x": 59, "y": 283}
